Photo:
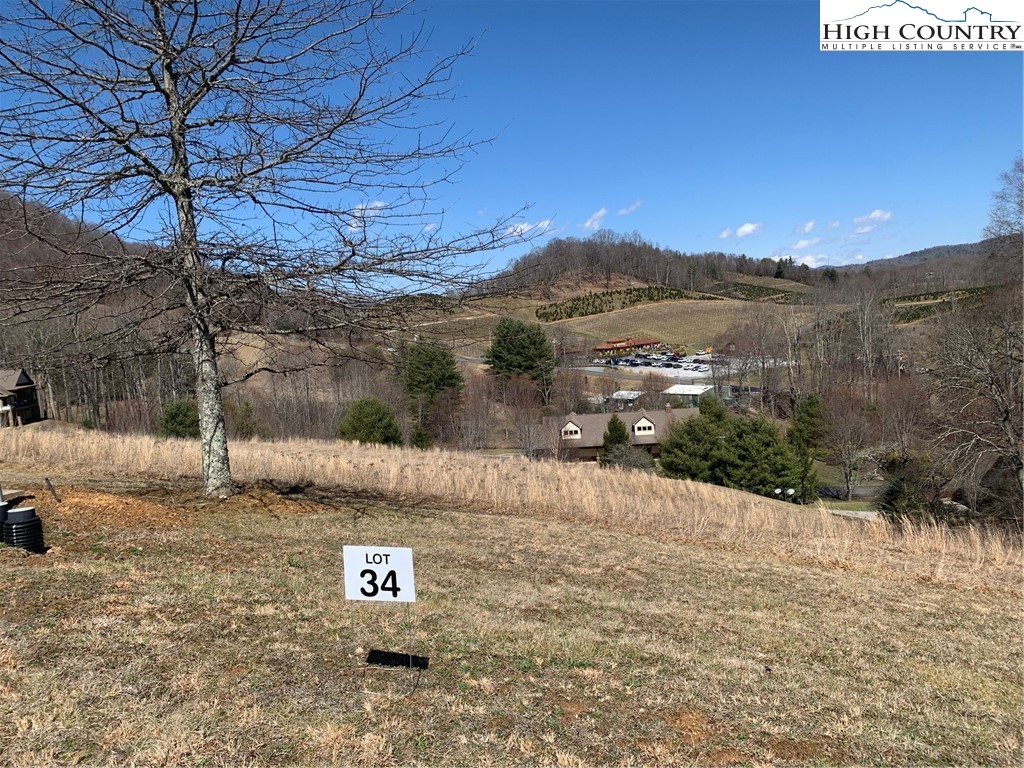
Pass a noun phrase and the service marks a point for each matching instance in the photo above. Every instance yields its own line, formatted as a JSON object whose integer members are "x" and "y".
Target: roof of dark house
{"x": 593, "y": 425}
{"x": 13, "y": 379}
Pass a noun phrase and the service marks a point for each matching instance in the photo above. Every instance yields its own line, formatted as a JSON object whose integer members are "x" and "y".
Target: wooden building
{"x": 19, "y": 399}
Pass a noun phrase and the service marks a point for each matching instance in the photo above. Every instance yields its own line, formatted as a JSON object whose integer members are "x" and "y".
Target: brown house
{"x": 628, "y": 344}
{"x": 581, "y": 436}
{"x": 19, "y": 401}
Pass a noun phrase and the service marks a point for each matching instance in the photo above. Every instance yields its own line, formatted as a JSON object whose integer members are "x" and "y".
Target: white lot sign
{"x": 379, "y": 573}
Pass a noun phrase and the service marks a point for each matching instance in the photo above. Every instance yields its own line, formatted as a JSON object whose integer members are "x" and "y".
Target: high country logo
{"x": 938, "y": 25}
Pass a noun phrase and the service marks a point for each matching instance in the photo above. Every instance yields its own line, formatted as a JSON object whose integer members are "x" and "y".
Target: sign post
{"x": 379, "y": 574}
{"x": 383, "y": 574}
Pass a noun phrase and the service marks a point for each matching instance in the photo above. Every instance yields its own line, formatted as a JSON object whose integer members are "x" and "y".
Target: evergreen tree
{"x": 427, "y": 373}
{"x": 180, "y": 419}
{"x": 758, "y": 460}
{"x": 427, "y": 370}
{"x": 615, "y": 434}
{"x": 809, "y": 426}
{"x": 696, "y": 446}
{"x": 370, "y": 420}
{"x": 714, "y": 410}
{"x": 628, "y": 457}
{"x": 691, "y": 449}
{"x": 747, "y": 454}
{"x": 420, "y": 439}
{"x": 522, "y": 349}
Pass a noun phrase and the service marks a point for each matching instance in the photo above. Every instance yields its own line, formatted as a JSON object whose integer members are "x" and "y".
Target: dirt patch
{"x": 86, "y": 509}
{"x": 727, "y": 756}
{"x": 693, "y": 726}
{"x": 570, "y": 709}
{"x": 798, "y": 751}
{"x": 165, "y": 507}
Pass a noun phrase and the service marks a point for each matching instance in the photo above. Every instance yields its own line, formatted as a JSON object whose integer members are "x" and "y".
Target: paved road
{"x": 628, "y": 372}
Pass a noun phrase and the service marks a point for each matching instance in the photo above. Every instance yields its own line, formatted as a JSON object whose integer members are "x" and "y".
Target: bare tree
{"x": 850, "y": 434}
{"x": 475, "y": 416}
{"x": 904, "y": 415}
{"x": 1007, "y": 214}
{"x": 653, "y": 385}
{"x": 570, "y": 391}
{"x": 524, "y": 413}
{"x": 272, "y": 156}
{"x": 979, "y": 373}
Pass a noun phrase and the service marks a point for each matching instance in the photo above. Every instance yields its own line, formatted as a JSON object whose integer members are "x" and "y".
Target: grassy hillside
{"x": 674, "y": 624}
{"x": 682, "y": 323}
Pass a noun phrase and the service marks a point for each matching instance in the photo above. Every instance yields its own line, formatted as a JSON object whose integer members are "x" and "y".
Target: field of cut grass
{"x": 689, "y": 324}
{"x": 673, "y": 623}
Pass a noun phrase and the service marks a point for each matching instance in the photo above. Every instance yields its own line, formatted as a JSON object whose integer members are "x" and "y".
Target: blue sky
{"x": 721, "y": 126}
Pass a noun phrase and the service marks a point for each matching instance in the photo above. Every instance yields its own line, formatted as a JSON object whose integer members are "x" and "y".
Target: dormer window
{"x": 571, "y": 432}
{"x": 643, "y": 427}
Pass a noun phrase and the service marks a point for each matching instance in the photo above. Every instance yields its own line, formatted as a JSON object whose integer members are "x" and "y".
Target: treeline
{"x": 605, "y": 255}
{"x": 608, "y": 301}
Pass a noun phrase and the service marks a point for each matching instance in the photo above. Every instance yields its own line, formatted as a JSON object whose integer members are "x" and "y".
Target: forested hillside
{"x": 605, "y": 256}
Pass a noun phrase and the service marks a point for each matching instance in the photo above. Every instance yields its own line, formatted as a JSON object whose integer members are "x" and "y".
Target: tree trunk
{"x": 212, "y": 432}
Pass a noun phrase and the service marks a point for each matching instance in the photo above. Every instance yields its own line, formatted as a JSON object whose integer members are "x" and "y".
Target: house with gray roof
{"x": 581, "y": 435}
{"x": 19, "y": 401}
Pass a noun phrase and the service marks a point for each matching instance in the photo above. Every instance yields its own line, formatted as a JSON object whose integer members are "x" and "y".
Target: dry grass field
{"x": 689, "y": 324}
{"x": 572, "y": 616}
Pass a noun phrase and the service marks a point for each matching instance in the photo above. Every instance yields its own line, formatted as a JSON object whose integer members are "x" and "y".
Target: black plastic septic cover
{"x": 23, "y": 529}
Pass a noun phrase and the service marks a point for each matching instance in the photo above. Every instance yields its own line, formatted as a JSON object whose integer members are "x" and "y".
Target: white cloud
{"x": 725, "y": 234}
{"x": 865, "y": 229}
{"x": 522, "y": 228}
{"x": 799, "y": 245}
{"x": 875, "y": 216}
{"x": 813, "y": 261}
{"x": 808, "y": 226}
{"x": 629, "y": 208}
{"x": 428, "y": 228}
{"x": 834, "y": 224}
{"x": 750, "y": 228}
{"x": 363, "y": 213}
{"x": 596, "y": 219}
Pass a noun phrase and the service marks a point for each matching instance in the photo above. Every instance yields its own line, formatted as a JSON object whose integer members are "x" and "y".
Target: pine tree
{"x": 695, "y": 447}
{"x": 616, "y": 433}
{"x": 808, "y": 426}
{"x": 427, "y": 373}
{"x": 522, "y": 349}
{"x": 370, "y": 420}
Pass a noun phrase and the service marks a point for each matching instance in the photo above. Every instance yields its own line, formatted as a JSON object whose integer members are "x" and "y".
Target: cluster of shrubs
{"x": 909, "y": 309}
{"x": 608, "y": 301}
{"x": 716, "y": 446}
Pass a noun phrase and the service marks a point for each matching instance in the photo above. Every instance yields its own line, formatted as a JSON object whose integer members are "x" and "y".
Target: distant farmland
{"x": 682, "y": 323}
{"x": 685, "y": 323}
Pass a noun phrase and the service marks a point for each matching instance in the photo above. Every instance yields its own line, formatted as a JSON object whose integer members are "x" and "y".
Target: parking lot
{"x": 674, "y": 366}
